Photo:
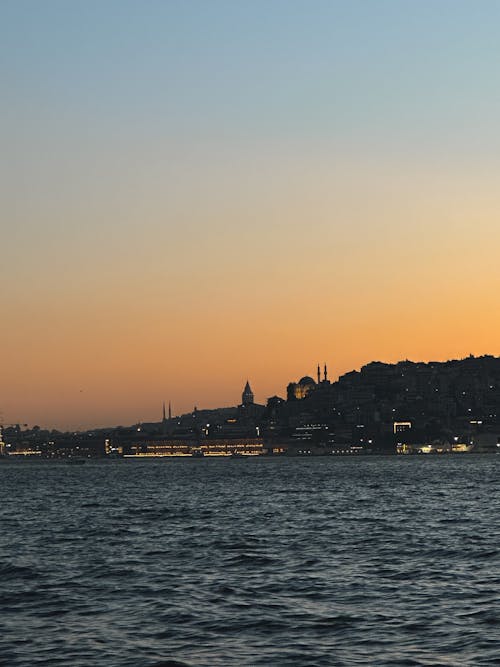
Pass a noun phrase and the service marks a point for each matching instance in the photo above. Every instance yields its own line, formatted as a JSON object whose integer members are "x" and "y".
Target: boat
{"x": 197, "y": 453}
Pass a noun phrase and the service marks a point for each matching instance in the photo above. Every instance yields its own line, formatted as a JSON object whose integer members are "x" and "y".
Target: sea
{"x": 273, "y": 562}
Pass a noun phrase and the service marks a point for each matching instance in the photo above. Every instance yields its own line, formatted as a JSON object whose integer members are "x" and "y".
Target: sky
{"x": 197, "y": 193}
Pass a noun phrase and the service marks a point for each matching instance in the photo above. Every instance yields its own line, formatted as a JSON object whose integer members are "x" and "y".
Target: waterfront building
{"x": 206, "y": 447}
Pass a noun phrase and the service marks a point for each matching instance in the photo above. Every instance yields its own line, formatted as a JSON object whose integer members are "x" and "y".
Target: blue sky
{"x": 380, "y": 71}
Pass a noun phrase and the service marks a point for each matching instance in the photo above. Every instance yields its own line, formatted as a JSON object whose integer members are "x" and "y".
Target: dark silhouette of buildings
{"x": 455, "y": 401}
{"x": 405, "y": 407}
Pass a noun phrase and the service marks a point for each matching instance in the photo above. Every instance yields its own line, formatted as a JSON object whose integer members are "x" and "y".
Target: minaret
{"x": 326, "y": 374}
{"x": 164, "y": 421}
{"x": 247, "y": 395}
{"x": 169, "y": 411}
{"x": 319, "y": 375}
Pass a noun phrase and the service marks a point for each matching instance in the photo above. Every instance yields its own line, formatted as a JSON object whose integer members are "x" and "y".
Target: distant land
{"x": 402, "y": 408}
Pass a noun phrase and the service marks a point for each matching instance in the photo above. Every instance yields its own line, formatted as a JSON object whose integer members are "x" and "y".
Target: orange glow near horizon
{"x": 105, "y": 364}
{"x": 101, "y": 336}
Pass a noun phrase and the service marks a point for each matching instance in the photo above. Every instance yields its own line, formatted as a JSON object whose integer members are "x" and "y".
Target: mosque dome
{"x": 306, "y": 380}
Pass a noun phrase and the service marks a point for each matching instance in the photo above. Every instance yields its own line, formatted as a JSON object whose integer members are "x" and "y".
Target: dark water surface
{"x": 310, "y": 562}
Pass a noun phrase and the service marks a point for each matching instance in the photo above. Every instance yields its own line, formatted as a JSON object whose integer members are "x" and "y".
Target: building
{"x": 247, "y": 397}
{"x": 296, "y": 391}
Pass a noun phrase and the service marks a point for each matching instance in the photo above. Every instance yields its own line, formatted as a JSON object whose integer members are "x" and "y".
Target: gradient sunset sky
{"x": 199, "y": 192}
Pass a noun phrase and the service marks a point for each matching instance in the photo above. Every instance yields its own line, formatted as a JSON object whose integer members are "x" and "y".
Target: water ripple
{"x": 303, "y": 563}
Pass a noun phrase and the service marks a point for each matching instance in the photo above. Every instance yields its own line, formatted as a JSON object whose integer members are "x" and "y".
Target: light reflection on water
{"x": 357, "y": 561}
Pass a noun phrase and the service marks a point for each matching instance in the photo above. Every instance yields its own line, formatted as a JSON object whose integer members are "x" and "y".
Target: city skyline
{"x": 404, "y": 408}
{"x": 194, "y": 194}
{"x": 293, "y": 389}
